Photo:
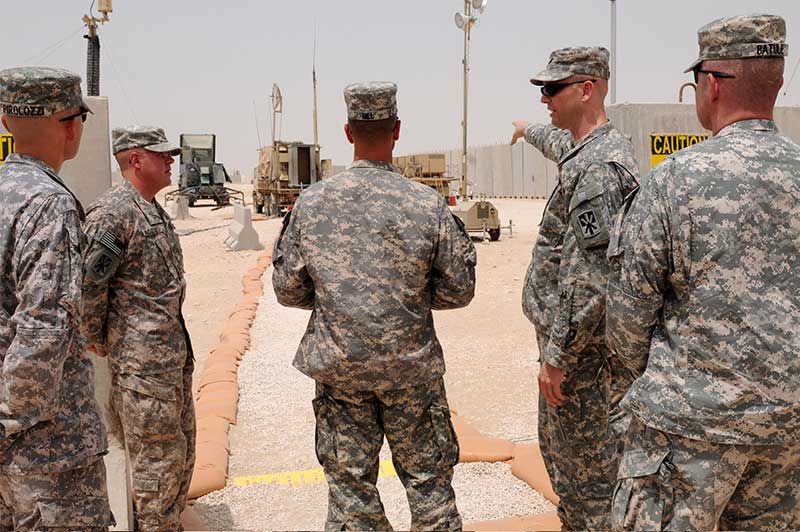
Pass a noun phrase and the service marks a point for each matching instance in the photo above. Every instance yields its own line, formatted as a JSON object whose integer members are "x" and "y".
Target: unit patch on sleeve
{"x": 105, "y": 257}
{"x": 589, "y": 224}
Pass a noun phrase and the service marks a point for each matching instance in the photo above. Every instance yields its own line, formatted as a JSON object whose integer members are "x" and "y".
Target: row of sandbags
{"x": 526, "y": 464}
{"x": 217, "y": 399}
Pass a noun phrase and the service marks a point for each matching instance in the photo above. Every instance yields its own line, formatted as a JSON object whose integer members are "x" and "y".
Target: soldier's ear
{"x": 348, "y": 133}
{"x": 396, "y": 131}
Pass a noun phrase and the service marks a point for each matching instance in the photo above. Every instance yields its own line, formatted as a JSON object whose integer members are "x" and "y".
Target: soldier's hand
{"x": 519, "y": 130}
{"x": 98, "y": 350}
{"x": 550, "y": 379}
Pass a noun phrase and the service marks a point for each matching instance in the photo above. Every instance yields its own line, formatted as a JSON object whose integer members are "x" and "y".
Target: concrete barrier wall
{"x": 89, "y": 174}
{"x": 522, "y": 172}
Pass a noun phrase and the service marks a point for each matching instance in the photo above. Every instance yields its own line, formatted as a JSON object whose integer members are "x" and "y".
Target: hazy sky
{"x": 198, "y": 66}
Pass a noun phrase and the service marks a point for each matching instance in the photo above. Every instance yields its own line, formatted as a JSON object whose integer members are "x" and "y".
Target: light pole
{"x": 465, "y": 21}
{"x": 93, "y": 46}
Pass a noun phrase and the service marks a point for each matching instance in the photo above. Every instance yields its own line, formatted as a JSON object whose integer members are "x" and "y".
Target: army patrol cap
{"x": 578, "y": 61}
{"x": 740, "y": 37}
{"x": 148, "y": 137}
{"x": 39, "y": 91}
{"x": 373, "y": 100}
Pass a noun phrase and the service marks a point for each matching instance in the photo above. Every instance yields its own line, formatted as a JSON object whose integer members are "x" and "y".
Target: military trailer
{"x": 284, "y": 170}
{"x": 201, "y": 177}
{"x": 480, "y": 216}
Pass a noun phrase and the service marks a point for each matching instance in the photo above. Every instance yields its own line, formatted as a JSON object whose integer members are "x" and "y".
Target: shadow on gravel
{"x": 215, "y": 516}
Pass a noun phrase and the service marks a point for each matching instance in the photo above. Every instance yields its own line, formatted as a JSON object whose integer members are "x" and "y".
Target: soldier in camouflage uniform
{"x": 52, "y": 438}
{"x": 134, "y": 289}
{"x": 706, "y": 306}
{"x": 372, "y": 253}
{"x": 564, "y": 291}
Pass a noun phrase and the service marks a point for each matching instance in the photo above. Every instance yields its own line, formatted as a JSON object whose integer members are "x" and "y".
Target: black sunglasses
{"x": 551, "y": 89}
{"x": 698, "y": 71}
{"x": 82, "y": 114}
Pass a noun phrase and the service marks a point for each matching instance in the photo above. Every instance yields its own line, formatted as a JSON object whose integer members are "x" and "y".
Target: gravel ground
{"x": 491, "y": 358}
{"x": 484, "y": 492}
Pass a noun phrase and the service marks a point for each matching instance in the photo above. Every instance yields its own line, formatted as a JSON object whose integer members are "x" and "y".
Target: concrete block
{"x": 180, "y": 209}
{"x": 89, "y": 174}
{"x": 241, "y": 234}
{"x": 117, "y": 472}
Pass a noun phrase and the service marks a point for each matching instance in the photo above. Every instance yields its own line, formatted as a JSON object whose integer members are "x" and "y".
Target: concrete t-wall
{"x": 521, "y": 171}
{"x": 89, "y": 174}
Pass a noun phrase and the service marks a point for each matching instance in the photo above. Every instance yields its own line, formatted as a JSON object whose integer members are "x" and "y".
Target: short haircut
{"x": 372, "y": 129}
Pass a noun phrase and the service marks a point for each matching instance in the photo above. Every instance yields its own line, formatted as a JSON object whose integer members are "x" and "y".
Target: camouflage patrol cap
{"x": 39, "y": 91}
{"x": 578, "y": 61}
{"x": 150, "y": 138}
{"x": 741, "y": 37}
{"x": 373, "y": 100}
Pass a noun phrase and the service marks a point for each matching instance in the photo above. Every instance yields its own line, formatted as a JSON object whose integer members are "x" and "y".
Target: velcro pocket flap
{"x": 149, "y": 387}
{"x": 584, "y": 194}
{"x": 641, "y": 462}
{"x": 90, "y": 512}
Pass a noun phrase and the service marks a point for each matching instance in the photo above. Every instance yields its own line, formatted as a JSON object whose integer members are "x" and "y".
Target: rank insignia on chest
{"x": 590, "y": 226}
{"x": 105, "y": 257}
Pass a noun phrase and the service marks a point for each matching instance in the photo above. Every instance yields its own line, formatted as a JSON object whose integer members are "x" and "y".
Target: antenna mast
{"x": 314, "y": 79}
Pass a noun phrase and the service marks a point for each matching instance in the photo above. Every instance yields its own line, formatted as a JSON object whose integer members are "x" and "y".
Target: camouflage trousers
{"x": 668, "y": 482}
{"x": 157, "y": 417}
{"x": 581, "y": 441}
{"x": 64, "y": 501}
{"x": 351, "y": 426}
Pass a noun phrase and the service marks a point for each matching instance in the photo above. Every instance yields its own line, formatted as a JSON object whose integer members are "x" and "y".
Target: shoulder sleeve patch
{"x": 105, "y": 257}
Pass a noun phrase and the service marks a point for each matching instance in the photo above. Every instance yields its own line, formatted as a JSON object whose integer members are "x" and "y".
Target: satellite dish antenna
{"x": 480, "y": 5}
{"x": 461, "y": 20}
{"x": 277, "y": 99}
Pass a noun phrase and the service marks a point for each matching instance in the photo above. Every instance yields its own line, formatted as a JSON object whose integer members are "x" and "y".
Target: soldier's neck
{"x": 588, "y": 123}
{"x": 373, "y": 153}
{"x": 142, "y": 186}
{"x": 52, "y": 158}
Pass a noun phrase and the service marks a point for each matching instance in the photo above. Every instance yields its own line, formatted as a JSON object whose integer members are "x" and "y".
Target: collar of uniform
{"x": 148, "y": 208}
{"x": 594, "y": 134}
{"x": 755, "y": 124}
{"x": 381, "y": 165}
{"x": 22, "y": 158}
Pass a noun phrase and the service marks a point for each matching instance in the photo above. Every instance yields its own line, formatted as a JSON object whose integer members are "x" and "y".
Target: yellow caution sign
{"x": 661, "y": 145}
{"x": 303, "y": 478}
{"x": 6, "y": 147}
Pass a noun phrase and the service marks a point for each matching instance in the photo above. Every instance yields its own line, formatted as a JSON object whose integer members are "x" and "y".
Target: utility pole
{"x": 613, "y": 81}
{"x": 93, "y": 46}
{"x": 467, "y": 28}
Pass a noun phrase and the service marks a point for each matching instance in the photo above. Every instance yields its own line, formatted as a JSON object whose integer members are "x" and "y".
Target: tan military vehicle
{"x": 284, "y": 170}
{"x": 480, "y": 216}
{"x": 428, "y": 169}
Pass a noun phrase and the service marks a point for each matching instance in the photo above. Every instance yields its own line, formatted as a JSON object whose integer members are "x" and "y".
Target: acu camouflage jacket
{"x": 134, "y": 285}
{"x": 372, "y": 253}
{"x": 706, "y": 302}
{"x": 49, "y": 419}
{"x": 565, "y": 285}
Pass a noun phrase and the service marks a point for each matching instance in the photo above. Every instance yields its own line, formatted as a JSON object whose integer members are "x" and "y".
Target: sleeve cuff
{"x": 529, "y": 133}
{"x": 558, "y": 357}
